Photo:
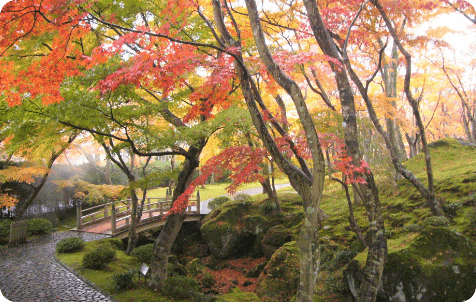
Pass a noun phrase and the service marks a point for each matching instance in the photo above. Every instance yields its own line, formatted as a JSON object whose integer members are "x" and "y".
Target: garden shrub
{"x": 217, "y": 201}
{"x": 122, "y": 281}
{"x": 345, "y": 256}
{"x": 99, "y": 257}
{"x": 207, "y": 280}
{"x": 181, "y": 287}
{"x": 70, "y": 245}
{"x": 242, "y": 197}
{"x": 451, "y": 209}
{"x": 143, "y": 253}
{"x": 267, "y": 207}
{"x": 436, "y": 221}
{"x": 37, "y": 226}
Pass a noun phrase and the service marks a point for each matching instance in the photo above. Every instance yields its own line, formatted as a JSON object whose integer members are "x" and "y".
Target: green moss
{"x": 195, "y": 267}
{"x": 238, "y": 295}
{"x": 280, "y": 277}
{"x": 257, "y": 224}
{"x": 274, "y": 238}
{"x": 433, "y": 241}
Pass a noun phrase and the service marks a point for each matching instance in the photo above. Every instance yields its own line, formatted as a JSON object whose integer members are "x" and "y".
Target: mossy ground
{"x": 406, "y": 215}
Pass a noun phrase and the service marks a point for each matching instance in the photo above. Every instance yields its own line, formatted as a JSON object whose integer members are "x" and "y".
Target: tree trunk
{"x": 308, "y": 184}
{"x": 163, "y": 243}
{"x": 269, "y": 189}
{"x": 132, "y": 237}
{"x": 107, "y": 172}
{"x": 21, "y": 208}
{"x": 377, "y": 241}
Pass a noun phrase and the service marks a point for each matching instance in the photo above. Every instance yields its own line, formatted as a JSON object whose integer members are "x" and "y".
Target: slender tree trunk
{"x": 414, "y": 103}
{"x": 268, "y": 188}
{"x": 163, "y": 243}
{"x": 309, "y": 185}
{"x": 107, "y": 172}
{"x": 20, "y": 209}
{"x": 377, "y": 241}
{"x": 133, "y": 237}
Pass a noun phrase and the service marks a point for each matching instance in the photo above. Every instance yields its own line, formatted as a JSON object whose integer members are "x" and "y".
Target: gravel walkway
{"x": 30, "y": 272}
{"x": 204, "y": 204}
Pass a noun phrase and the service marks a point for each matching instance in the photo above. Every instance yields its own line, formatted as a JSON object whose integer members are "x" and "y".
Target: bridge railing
{"x": 153, "y": 211}
{"x": 154, "y": 207}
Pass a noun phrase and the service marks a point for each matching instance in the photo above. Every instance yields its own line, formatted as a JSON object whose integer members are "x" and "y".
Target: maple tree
{"x": 161, "y": 80}
{"x": 38, "y": 143}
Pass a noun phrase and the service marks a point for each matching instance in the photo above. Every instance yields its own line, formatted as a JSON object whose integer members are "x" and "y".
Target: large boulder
{"x": 274, "y": 238}
{"x": 439, "y": 265}
{"x": 280, "y": 278}
{"x": 223, "y": 229}
{"x": 232, "y": 228}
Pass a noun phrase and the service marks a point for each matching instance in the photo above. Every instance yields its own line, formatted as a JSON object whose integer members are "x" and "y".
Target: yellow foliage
{"x": 7, "y": 200}
{"x": 21, "y": 174}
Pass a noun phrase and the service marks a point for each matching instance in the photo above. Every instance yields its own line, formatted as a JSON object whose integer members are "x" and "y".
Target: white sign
{"x": 144, "y": 269}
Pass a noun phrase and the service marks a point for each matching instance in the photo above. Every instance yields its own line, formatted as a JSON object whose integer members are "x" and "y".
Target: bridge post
{"x": 113, "y": 218}
{"x": 79, "y": 213}
{"x": 105, "y": 211}
{"x": 148, "y": 207}
{"x": 198, "y": 201}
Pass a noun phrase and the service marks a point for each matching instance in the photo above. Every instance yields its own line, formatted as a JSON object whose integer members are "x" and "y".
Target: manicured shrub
{"x": 143, "y": 253}
{"x": 122, "y": 281}
{"x": 181, "y": 287}
{"x": 242, "y": 197}
{"x": 218, "y": 201}
{"x": 267, "y": 207}
{"x": 451, "y": 209}
{"x": 70, "y": 245}
{"x": 99, "y": 257}
{"x": 37, "y": 226}
{"x": 436, "y": 221}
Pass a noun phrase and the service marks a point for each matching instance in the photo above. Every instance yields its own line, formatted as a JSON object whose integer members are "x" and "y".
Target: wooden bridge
{"x": 114, "y": 218}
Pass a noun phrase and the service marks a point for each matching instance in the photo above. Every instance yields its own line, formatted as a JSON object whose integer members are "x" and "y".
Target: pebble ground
{"x": 30, "y": 272}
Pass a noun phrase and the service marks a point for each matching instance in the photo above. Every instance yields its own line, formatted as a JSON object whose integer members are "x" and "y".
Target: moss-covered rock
{"x": 257, "y": 224}
{"x": 274, "y": 238}
{"x": 439, "y": 265}
{"x": 280, "y": 278}
{"x": 223, "y": 230}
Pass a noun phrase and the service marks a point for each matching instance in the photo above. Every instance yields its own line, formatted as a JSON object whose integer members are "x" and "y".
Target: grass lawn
{"x": 100, "y": 278}
{"x": 212, "y": 191}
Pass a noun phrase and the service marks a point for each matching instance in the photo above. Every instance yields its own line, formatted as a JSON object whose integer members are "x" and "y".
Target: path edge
{"x": 75, "y": 273}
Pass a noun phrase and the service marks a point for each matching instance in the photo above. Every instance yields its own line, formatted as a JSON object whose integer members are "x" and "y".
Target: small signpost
{"x": 144, "y": 270}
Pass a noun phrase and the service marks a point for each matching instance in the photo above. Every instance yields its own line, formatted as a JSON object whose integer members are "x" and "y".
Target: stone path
{"x": 204, "y": 204}
{"x": 30, "y": 272}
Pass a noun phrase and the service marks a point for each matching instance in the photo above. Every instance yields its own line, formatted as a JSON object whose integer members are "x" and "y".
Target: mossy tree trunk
{"x": 308, "y": 183}
{"x": 163, "y": 243}
{"x": 377, "y": 241}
